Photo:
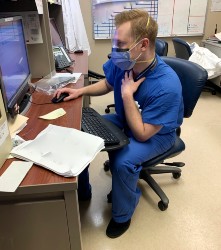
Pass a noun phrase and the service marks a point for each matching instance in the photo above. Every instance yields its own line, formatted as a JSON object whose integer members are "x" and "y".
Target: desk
{"x": 43, "y": 213}
{"x": 216, "y": 49}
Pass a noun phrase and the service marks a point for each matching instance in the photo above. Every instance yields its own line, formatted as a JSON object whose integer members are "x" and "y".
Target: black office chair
{"x": 161, "y": 48}
{"x": 94, "y": 76}
{"x": 182, "y": 50}
{"x": 193, "y": 78}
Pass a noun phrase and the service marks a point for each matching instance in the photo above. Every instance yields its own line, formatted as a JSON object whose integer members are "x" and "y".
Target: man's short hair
{"x": 142, "y": 24}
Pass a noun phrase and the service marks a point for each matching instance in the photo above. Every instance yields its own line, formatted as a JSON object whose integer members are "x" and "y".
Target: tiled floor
{"x": 193, "y": 218}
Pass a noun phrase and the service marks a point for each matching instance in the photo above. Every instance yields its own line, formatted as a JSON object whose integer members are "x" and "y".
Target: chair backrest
{"x": 192, "y": 76}
{"x": 182, "y": 48}
{"x": 161, "y": 47}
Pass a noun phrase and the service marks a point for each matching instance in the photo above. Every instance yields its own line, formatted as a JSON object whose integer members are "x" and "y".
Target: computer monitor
{"x": 14, "y": 65}
{"x": 55, "y": 35}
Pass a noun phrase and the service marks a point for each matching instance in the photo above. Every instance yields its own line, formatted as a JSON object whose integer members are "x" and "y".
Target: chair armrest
{"x": 95, "y": 75}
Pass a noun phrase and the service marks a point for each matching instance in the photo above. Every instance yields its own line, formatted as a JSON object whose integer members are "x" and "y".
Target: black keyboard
{"x": 93, "y": 123}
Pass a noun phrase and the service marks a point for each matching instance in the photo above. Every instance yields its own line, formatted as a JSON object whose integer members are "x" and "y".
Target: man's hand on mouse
{"x": 73, "y": 93}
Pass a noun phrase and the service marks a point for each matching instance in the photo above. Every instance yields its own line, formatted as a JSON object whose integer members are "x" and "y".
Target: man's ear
{"x": 145, "y": 44}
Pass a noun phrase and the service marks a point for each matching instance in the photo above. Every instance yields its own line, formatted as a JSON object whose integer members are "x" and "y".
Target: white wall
{"x": 100, "y": 48}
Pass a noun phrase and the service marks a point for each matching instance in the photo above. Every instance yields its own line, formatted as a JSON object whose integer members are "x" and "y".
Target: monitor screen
{"x": 14, "y": 64}
{"x": 55, "y": 35}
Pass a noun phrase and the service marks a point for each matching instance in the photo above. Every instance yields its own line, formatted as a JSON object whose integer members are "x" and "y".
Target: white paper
{"x": 180, "y": 17}
{"x": 13, "y": 176}
{"x": 31, "y": 23}
{"x": 65, "y": 151}
{"x": 32, "y": 27}
{"x": 216, "y": 5}
{"x": 218, "y": 35}
{"x": 39, "y": 6}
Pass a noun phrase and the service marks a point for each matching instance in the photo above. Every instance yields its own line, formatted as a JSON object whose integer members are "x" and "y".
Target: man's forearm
{"x": 141, "y": 131}
{"x": 96, "y": 89}
{"x": 133, "y": 117}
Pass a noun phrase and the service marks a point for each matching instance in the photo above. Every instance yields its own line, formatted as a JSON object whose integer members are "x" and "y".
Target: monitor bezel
{"x": 12, "y": 105}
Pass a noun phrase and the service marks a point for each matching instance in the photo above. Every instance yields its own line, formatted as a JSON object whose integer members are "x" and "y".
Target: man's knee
{"x": 123, "y": 166}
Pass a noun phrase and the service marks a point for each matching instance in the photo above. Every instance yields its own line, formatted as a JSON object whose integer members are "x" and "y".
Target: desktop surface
{"x": 38, "y": 175}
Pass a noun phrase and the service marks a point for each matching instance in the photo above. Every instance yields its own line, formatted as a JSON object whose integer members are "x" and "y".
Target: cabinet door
{"x": 41, "y": 57}
{"x": 38, "y": 225}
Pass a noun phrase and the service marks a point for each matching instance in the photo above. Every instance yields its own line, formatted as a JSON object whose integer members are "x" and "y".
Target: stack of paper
{"x": 218, "y": 36}
{"x": 13, "y": 176}
{"x": 65, "y": 151}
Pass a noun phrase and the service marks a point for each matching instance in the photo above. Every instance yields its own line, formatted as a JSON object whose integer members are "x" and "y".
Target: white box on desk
{"x": 5, "y": 138}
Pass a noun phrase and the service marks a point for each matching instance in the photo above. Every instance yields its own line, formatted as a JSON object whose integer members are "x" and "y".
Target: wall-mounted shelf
{"x": 40, "y": 55}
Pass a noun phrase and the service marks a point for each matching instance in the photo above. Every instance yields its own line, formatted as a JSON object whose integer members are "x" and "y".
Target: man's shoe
{"x": 115, "y": 229}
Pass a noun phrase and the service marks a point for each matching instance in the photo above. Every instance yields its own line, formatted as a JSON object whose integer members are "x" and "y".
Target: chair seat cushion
{"x": 176, "y": 149}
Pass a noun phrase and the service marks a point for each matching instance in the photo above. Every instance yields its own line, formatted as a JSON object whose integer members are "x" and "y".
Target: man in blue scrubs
{"x": 148, "y": 103}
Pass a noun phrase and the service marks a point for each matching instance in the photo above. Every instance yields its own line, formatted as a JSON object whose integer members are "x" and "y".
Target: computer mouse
{"x": 60, "y": 98}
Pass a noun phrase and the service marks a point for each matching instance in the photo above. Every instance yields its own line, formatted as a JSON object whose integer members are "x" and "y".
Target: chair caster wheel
{"x": 106, "y": 166}
{"x": 162, "y": 206}
{"x": 107, "y": 110}
{"x": 176, "y": 175}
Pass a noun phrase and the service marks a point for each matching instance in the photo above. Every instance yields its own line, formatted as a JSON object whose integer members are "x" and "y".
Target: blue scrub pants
{"x": 125, "y": 168}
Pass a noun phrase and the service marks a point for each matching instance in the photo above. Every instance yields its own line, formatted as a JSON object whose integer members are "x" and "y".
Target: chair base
{"x": 209, "y": 87}
{"x": 107, "y": 110}
{"x": 106, "y": 166}
{"x": 146, "y": 173}
{"x": 164, "y": 201}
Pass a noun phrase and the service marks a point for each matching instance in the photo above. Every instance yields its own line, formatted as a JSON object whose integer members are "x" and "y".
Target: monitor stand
{"x": 25, "y": 104}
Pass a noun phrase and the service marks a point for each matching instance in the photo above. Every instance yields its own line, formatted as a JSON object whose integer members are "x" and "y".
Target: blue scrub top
{"x": 159, "y": 95}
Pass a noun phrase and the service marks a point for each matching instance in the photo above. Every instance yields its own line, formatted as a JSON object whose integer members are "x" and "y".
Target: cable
{"x": 40, "y": 103}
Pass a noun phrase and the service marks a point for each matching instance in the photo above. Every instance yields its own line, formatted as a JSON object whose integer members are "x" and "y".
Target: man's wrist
{"x": 80, "y": 92}
{"x": 127, "y": 96}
